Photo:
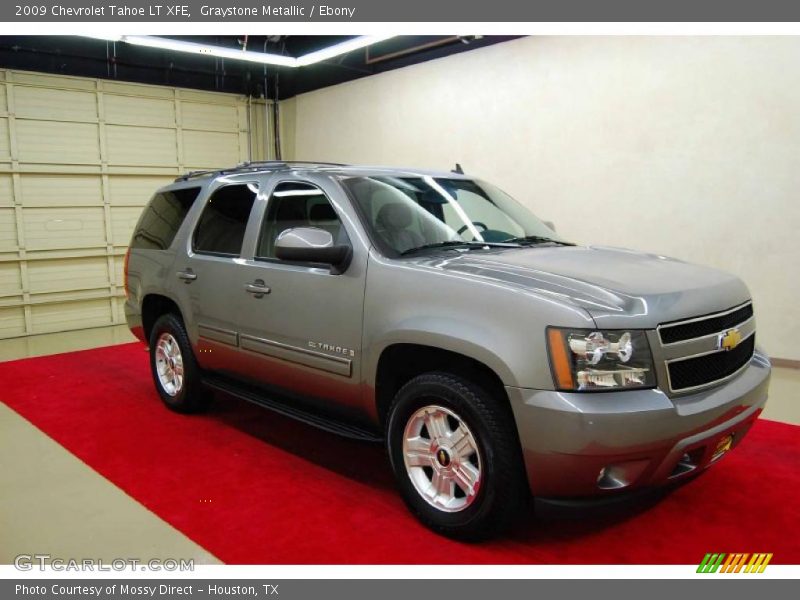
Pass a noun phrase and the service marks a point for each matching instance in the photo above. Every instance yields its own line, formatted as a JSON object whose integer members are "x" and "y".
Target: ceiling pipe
{"x": 406, "y": 51}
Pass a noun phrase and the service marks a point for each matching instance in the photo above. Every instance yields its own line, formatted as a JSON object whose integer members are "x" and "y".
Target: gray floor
{"x": 52, "y": 503}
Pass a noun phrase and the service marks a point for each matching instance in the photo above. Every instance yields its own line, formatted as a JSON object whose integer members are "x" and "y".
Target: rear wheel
{"x": 454, "y": 451}
{"x": 176, "y": 375}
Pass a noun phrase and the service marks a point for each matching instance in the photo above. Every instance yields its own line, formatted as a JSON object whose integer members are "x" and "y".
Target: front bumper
{"x": 640, "y": 437}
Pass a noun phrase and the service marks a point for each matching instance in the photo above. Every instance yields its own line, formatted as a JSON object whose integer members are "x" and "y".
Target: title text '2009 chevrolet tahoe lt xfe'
{"x": 432, "y": 311}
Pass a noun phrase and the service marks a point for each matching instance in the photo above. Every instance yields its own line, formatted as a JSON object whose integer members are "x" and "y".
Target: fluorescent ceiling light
{"x": 218, "y": 51}
{"x": 107, "y": 38}
{"x": 248, "y": 55}
{"x": 341, "y": 48}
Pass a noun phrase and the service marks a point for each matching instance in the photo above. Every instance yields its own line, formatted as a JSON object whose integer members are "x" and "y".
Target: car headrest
{"x": 394, "y": 216}
{"x": 322, "y": 212}
{"x": 385, "y": 195}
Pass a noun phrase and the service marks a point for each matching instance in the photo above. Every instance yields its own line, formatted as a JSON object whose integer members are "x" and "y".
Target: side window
{"x": 224, "y": 220}
{"x": 297, "y": 205}
{"x": 162, "y": 218}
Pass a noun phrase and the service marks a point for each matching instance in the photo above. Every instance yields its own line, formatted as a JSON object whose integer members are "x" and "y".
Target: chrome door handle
{"x": 188, "y": 276}
{"x": 257, "y": 288}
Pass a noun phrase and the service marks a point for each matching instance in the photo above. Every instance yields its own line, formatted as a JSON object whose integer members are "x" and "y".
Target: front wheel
{"x": 455, "y": 455}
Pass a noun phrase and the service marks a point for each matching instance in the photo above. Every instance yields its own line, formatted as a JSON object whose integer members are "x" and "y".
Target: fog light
{"x": 620, "y": 475}
{"x": 601, "y": 475}
{"x": 688, "y": 462}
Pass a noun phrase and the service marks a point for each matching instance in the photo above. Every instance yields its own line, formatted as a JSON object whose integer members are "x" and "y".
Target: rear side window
{"x": 224, "y": 220}
{"x": 162, "y": 218}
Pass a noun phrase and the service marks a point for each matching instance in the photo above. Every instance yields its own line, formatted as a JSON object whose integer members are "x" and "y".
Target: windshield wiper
{"x": 459, "y": 243}
{"x": 535, "y": 239}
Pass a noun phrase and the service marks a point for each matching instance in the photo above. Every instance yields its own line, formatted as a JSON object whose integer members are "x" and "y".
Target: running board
{"x": 283, "y": 407}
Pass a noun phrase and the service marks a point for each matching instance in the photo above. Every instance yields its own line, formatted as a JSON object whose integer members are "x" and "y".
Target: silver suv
{"x": 432, "y": 312}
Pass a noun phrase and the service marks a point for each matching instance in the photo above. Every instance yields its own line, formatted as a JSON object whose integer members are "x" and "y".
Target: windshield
{"x": 409, "y": 213}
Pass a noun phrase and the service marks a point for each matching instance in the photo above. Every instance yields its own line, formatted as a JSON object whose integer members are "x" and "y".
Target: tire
{"x": 474, "y": 448}
{"x": 179, "y": 382}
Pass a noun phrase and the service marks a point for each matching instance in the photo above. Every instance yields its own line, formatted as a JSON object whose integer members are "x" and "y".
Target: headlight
{"x": 590, "y": 360}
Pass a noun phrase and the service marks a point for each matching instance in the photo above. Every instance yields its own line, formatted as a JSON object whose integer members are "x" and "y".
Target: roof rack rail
{"x": 290, "y": 163}
{"x": 254, "y": 166}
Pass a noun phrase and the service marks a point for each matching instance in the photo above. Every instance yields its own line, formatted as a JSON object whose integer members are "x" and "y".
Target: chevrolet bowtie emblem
{"x": 729, "y": 340}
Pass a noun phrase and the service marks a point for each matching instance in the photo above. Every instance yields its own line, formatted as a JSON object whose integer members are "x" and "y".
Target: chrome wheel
{"x": 169, "y": 364}
{"x": 442, "y": 458}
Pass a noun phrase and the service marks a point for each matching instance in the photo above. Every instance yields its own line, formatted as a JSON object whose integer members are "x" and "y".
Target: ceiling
{"x": 72, "y": 55}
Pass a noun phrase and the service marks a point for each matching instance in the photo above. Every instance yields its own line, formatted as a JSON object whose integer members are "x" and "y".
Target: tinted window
{"x": 297, "y": 205}
{"x": 224, "y": 220}
{"x": 162, "y": 218}
{"x": 410, "y": 212}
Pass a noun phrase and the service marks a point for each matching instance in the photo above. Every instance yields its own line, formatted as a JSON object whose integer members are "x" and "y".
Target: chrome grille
{"x": 693, "y": 355}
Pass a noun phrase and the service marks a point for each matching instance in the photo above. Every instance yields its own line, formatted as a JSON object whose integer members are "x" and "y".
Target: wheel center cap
{"x": 443, "y": 457}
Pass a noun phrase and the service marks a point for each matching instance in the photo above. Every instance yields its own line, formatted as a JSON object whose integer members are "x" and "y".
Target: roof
{"x": 333, "y": 168}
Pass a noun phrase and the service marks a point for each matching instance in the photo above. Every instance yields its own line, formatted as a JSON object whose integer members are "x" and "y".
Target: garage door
{"x": 79, "y": 158}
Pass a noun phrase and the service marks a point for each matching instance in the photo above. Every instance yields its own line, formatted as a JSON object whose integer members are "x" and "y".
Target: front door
{"x": 300, "y": 326}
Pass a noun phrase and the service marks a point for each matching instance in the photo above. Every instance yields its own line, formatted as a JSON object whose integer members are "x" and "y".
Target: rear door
{"x": 208, "y": 273}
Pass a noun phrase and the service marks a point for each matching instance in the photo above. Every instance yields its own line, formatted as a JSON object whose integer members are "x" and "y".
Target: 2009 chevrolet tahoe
{"x": 435, "y": 313}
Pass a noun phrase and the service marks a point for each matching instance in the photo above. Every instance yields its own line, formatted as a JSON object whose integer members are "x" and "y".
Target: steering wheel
{"x": 476, "y": 223}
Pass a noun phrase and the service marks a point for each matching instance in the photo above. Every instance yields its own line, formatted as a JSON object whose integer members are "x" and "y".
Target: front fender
{"x": 498, "y": 325}
{"x": 442, "y": 333}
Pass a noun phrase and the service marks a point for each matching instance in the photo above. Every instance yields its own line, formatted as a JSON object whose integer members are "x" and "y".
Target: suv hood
{"x": 619, "y": 288}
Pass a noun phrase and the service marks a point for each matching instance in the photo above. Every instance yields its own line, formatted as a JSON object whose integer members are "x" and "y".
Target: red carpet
{"x": 253, "y": 488}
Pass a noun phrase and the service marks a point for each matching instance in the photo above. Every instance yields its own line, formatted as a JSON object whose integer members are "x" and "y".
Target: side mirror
{"x": 312, "y": 244}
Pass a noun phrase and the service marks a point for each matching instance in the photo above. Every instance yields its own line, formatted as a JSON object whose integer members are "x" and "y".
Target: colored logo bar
{"x": 736, "y": 562}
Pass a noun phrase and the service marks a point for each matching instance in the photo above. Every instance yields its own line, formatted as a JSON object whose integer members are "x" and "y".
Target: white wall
{"x": 684, "y": 146}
